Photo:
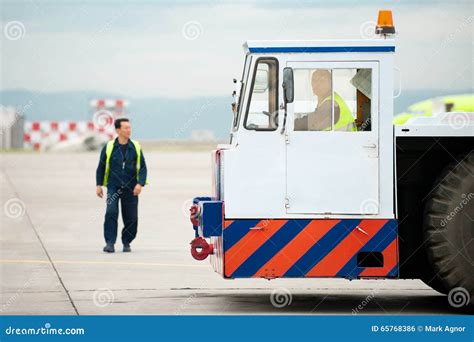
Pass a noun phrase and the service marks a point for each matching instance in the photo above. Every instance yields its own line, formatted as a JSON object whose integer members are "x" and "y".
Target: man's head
{"x": 123, "y": 128}
{"x": 321, "y": 82}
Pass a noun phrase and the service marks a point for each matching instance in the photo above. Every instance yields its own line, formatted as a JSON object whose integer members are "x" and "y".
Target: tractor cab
{"x": 312, "y": 133}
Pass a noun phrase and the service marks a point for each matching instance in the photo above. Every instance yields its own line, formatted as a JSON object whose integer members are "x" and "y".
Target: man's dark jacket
{"x": 122, "y": 173}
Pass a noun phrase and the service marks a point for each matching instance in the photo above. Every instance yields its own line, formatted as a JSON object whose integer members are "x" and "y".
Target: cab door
{"x": 332, "y": 150}
{"x": 254, "y": 168}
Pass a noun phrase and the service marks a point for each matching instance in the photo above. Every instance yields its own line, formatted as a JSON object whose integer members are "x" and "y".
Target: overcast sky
{"x": 152, "y": 48}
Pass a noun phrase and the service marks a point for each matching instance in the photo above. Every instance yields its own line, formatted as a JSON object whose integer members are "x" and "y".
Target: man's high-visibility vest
{"x": 346, "y": 121}
{"x": 108, "y": 153}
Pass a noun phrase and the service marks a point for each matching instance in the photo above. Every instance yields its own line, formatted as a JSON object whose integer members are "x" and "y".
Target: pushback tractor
{"x": 317, "y": 181}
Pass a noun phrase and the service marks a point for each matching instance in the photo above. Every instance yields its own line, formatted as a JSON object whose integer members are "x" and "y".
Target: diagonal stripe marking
{"x": 322, "y": 248}
{"x": 394, "y": 272}
{"x": 390, "y": 261}
{"x": 296, "y": 248}
{"x": 236, "y": 231}
{"x": 344, "y": 251}
{"x": 378, "y": 243}
{"x": 252, "y": 241}
{"x": 279, "y": 240}
{"x": 227, "y": 223}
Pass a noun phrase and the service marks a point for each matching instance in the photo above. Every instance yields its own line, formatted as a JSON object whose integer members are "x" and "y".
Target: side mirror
{"x": 288, "y": 85}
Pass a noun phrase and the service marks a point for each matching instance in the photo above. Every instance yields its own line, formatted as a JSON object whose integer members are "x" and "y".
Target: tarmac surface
{"x": 51, "y": 258}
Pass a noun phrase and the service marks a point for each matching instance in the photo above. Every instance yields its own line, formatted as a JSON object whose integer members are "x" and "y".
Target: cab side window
{"x": 262, "y": 110}
{"x": 333, "y": 100}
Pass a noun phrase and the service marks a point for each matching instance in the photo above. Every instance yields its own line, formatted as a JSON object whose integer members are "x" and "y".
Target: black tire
{"x": 431, "y": 279}
{"x": 448, "y": 229}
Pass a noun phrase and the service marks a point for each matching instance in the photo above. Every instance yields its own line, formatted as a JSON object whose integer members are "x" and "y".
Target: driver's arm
{"x": 321, "y": 118}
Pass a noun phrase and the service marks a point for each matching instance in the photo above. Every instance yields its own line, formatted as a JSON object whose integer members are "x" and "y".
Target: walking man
{"x": 122, "y": 169}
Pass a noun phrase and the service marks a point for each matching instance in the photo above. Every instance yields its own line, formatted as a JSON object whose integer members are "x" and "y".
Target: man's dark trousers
{"x": 129, "y": 208}
{"x": 122, "y": 179}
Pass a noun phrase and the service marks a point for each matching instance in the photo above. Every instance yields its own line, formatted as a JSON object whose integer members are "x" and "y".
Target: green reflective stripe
{"x": 346, "y": 121}
{"x": 138, "y": 149}
{"x": 108, "y": 155}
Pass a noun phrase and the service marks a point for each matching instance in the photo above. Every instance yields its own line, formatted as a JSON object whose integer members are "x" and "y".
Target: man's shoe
{"x": 126, "y": 248}
{"x": 109, "y": 248}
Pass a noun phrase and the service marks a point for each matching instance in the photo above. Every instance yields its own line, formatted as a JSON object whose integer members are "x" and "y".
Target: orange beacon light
{"x": 385, "y": 23}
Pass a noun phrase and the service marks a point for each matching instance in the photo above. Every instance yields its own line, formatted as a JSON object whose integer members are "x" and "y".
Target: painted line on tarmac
{"x": 78, "y": 262}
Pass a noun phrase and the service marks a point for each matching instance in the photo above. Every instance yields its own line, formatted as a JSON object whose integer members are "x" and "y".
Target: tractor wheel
{"x": 448, "y": 229}
{"x": 431, "y": 279}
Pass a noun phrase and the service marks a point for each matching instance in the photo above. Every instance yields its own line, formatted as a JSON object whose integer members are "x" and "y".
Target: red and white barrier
{"x": 36, "y": 133}
{"x": 39, "y": 134}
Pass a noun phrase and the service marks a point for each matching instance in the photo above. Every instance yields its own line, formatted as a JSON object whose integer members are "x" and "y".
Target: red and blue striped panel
{"x": 308, "y": 248}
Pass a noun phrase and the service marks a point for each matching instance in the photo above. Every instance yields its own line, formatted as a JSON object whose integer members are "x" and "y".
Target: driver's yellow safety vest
{"x": 346, "y": 121}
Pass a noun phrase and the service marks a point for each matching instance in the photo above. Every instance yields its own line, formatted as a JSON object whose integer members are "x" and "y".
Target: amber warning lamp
{"x": 385, "y": 23}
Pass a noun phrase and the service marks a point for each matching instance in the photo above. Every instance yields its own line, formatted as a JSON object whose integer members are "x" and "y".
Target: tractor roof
{"x": 319, "y": 46}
